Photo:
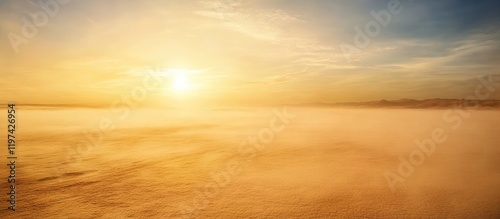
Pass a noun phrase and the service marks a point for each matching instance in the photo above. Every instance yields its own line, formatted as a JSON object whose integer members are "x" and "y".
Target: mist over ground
{"x": 315, "y": 163}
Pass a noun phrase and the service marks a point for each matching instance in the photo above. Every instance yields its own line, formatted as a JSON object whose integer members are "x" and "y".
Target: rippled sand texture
{"x": 326, "y": 163}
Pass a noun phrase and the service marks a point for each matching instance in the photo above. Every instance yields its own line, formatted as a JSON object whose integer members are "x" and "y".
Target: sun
{"x": 180, "y": 82}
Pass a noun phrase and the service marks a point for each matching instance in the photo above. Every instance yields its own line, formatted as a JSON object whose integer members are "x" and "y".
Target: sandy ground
{"x": 326, "y": 163}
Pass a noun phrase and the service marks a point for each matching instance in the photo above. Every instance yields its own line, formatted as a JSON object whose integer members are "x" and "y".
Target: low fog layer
{"x": 303, "y": 163}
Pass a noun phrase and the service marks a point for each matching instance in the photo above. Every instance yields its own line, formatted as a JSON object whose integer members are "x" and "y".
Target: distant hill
{"x": 436, "y": 103}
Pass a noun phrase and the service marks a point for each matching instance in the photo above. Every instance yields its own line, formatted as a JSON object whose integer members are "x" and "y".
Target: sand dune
{"x": 326, "y": 163}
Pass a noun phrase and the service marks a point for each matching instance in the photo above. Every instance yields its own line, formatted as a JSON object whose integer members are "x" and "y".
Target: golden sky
{"x": 244, "y": 52}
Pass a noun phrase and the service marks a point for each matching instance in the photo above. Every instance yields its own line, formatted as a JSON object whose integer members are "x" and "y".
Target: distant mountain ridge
{"x": 415, "y": 104}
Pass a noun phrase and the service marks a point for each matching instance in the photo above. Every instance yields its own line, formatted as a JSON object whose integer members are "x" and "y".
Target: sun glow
{"x": 180, "y": 80}
{"x": 180, "y": 83}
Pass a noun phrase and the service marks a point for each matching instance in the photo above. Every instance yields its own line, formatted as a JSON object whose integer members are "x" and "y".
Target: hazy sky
{"x": 252, "y": 52}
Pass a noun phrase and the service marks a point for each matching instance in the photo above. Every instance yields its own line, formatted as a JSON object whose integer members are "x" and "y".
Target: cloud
{"x": 258, "y": 47}
{"x": 266, "y": 24}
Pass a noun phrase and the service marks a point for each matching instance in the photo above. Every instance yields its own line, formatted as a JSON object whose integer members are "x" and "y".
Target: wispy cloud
{"x": 253, "y": 48}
